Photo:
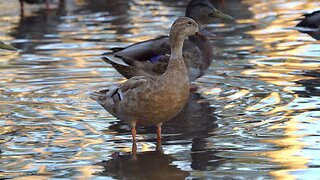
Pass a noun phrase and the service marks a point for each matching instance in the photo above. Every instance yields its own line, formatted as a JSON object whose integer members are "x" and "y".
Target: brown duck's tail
{"x": 107, "y": 98}
{"x": 99, "y": 96}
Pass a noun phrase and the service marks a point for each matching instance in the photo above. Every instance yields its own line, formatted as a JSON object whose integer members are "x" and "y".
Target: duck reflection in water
{"x": 312, "y": 86}
{"x": 146, "y": 165}
{"x": 310, "y": 24}
{"x": 32, "y": 29}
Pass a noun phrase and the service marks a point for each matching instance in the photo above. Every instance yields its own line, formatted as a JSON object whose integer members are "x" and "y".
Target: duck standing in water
{"x": 152, "y": 100}
{"x": 151, "y": 57}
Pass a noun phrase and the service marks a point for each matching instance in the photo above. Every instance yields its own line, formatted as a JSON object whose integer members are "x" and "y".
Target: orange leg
{"x": 134, "y": 144}
{"x": 134, "y": 134}
{"x": 159, "y": 146}
{"x": 134, "y": 148}
{"x": 159, "y": 132}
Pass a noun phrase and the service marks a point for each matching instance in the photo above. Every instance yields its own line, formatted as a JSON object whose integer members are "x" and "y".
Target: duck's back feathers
{"x": 152, "y": 57}
{"x": 145, "y": 50}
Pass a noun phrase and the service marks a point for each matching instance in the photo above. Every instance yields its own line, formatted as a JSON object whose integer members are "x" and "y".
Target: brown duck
{"x": 152, "y": 100}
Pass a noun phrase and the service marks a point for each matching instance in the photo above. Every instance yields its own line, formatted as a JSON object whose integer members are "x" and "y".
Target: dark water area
{"x": 255, "y": 114}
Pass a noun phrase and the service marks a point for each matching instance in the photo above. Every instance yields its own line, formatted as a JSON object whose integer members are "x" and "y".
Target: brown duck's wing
{"x": 111, "y": 97}
{"x": 136, "y": 83}
{"x": 146, "y": 50}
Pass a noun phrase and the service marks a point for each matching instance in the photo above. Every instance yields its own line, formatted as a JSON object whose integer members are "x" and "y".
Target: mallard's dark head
{"x": 203, "y": 10}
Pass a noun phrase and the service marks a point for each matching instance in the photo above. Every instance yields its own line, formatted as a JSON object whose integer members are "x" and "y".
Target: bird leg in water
{"x": 133, "y": 134}
{"x": 134, "y": 149}
{"x": 159, "y": 145}
{"x": 159, "y": 132}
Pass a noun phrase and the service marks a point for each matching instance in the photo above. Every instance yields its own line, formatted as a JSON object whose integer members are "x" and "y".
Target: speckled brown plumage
{"x": 152, "y": 100}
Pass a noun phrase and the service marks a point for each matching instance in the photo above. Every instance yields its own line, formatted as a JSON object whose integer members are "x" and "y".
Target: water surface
{"x": 255, "y": 114}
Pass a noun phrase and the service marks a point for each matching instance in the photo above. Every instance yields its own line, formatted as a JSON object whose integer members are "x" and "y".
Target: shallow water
{"x": 255, "y": 114}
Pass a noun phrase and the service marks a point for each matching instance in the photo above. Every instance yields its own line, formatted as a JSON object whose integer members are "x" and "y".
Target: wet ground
{"x": 255, "y": 114}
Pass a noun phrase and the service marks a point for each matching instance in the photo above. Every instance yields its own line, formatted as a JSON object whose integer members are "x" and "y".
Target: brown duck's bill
{"x": 203, "y": 32}
{"x": 7, "y": 47}
{"x": 218, "y": 14}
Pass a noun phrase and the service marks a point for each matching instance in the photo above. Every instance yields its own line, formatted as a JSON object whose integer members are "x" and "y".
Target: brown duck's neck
{"x": 176, "y": 43}
{"x": 176, "y": 67}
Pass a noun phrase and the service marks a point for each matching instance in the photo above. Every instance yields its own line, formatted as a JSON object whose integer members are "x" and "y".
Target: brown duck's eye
{"x": 189, "y": 22}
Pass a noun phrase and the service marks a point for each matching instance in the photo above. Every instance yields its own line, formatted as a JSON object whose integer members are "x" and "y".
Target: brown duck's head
{"x": 185, "y": 27}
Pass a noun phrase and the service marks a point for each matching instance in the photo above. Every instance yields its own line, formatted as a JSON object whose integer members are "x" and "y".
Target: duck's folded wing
{"x": 117, "y": 93}
{"x": 146, "y": 50}
{"x": 137, "y": 83}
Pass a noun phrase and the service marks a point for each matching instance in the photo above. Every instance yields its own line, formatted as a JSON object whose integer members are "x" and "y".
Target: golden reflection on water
{"x": 278, "y": 68}
{"x": 289, "y": 155}
{"x": 280, "y": 71}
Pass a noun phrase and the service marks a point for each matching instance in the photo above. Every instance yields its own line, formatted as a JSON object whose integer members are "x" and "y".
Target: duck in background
{"x": 32, "y": 2}
{"x": 310, "y": 24}
{"x": 151, "y": 57}
{"x": 152, "y": 100}
{"x": 46, "y": 2}
{"x": 7, "y": 47}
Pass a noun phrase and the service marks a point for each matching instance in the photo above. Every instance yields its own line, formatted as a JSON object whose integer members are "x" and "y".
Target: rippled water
{"x": 255, "y": 115}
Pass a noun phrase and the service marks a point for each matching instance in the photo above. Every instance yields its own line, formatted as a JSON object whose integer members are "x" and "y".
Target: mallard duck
{"x": 152, "y": 100}
{"x": 311, "y": 24}
{"x": 151, "y": 57}
{"x": 7, "y": 47}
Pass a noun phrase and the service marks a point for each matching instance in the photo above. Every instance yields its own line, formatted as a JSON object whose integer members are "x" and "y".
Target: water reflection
{"x": 36, "y": 29}
{"x": 145, "y": 165}
{"x": 291, "y": 108}
{"x": 255, "y": 115}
